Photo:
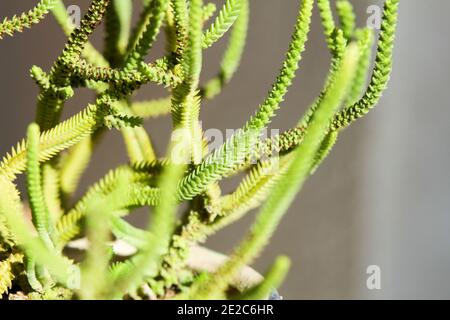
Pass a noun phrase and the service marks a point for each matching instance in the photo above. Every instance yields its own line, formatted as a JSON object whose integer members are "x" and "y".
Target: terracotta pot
{"x": 203, "y": 259}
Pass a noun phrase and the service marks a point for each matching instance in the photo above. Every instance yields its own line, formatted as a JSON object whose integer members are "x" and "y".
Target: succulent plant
{"x": 55, "y": 152}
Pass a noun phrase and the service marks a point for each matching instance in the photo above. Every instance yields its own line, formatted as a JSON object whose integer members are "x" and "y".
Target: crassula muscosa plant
{"x": 33, "y": 258}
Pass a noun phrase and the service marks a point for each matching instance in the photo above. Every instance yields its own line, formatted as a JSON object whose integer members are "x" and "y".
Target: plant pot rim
{"x": 200, "y": 259}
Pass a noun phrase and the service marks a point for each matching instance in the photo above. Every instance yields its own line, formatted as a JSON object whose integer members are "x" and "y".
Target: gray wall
{"x": 382, "y": 196}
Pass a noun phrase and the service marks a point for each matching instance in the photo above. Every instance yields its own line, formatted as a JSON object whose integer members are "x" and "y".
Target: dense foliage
{"x": 33, "y": 257}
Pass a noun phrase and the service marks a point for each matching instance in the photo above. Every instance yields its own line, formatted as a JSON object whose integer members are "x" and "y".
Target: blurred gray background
{"x": 382, "y": 197}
